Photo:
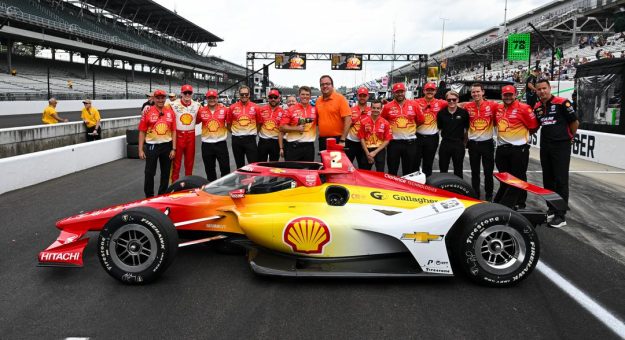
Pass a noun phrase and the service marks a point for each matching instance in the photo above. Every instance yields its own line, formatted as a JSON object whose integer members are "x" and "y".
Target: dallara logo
{"x": 378, "y": 195}
{"x": 307, "y": 235}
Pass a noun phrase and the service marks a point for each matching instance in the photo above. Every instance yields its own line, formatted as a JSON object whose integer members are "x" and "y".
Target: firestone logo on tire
{"x": 307, "y": 235}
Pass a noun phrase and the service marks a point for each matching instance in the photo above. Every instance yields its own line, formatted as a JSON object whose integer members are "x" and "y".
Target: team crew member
{"x": 334, "y": 113}
{"x": 91, "y": 117}
{"x": 515, "y": 121}
{"x": 50, "y": 116}
{"x": 269, "y": 118}
{"x": 290, "y": 101}
{"x": 242, "y": 120}
{"x": 146, "y": 105}
{"x": 427, "y": 133}
{"x": 360, "y": 110}
{"x": 375, "y": 134}
{"x": 559, "y": 124}
{"x": 453, "y": 122}
{"x": 530, "y": 88}
{"x": 481, "y": 144}
{"x": 157, "y": 138}
{"x": 404, "y": 116}
{"x": 299, "y": 123}
{"x": 185, "y": 109}
{"x": 213, "y": 118}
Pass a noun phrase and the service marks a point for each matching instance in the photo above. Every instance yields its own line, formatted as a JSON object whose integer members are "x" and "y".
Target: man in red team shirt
{"x": 157, "y": 140}
{"x": 213, "y": 118}
{"x": 269, "y": 118}
{"x": 299, "y": 126}
{"x": 404, "y": 116}
{"x": 375, "y": 134}
{"x": 427, "y": 133}
{"x": 242, "y": 122}
{"x": 185, "y": 109}
{"x": 352, "y": 143}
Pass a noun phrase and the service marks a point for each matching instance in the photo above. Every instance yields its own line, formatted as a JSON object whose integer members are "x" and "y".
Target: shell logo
{"x": 244, "y": 121}
{"x": 161, "y": 128}
{"x": 270, "y": 125}
{"x": 307, "y": 235}
{"x": 296, "y": 62}
{"x": 480, "y": 124}
{"x": 428, "y": 119}
{"x": 213, "y": 126}
{"x": 503, "y": 125}
{"x": 401, "y": 122}
{"x": 186, "y": 119}
{"x": 353, "y": 63}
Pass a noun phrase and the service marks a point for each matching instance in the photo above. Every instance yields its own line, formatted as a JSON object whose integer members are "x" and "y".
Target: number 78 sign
{"x": 519, "y": 46}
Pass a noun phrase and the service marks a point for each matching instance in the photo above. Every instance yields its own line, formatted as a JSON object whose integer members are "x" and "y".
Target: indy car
{"x": 316, "y": 219}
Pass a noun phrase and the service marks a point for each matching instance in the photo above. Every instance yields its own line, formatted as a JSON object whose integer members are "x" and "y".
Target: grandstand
{"x": 104, "y": 49}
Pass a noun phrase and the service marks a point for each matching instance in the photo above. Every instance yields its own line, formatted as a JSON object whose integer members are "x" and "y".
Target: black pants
{"x": 354, "y": 152}
{"x": 514, "y": 160}
{"x": 268, "y": 148}
{"x": 244, "y": 147}
{"x": 212, "y": 152}
{"x": 91, "y": 137}
{"x": 294, "y": 151}
{"x": 379, "y": 160}
{"x": 156, "y": 153}
{"x": 484, "y": 153}
{"x": 322, "y": 141}
{"x": 531, "y": 100}
{"x": 555, "y": 158}
{"x": 403, "y": 150}
{"x": 451, "y": 150}
{"x": 426, "y": 150}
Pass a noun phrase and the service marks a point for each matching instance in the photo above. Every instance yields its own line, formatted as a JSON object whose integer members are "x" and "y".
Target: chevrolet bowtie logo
{"x": 421, "y": 237}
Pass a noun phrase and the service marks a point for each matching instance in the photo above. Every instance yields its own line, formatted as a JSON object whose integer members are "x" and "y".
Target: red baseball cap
{"x": 429, "y": 86}
{"x": 274, "y": 93}
{"x": 399, "y": 87}
{"x": 211, "y": 93}
{"x": 363, "y": 90}
{"x": 508, "y": 89}
{"x": 186, "y": 88}
{"x": 160, "y": 93}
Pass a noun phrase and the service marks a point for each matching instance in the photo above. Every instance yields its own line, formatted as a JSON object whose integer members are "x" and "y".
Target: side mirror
{"x": 237, "y": 194}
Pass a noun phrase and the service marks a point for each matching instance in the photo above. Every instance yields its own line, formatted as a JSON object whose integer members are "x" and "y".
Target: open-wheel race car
{"x": 324, "y": 219}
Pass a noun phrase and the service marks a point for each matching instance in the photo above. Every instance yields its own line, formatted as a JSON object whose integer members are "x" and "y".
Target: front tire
{"x": 137, "y": 245}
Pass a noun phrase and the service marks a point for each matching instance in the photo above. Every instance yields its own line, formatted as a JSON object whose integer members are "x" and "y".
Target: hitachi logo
{"x": 59, "y": 257}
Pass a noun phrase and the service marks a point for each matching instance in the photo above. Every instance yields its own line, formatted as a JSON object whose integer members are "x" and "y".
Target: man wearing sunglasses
{"x": 299, "y": 123}
{"x": 427, "y": 133}
{"x": 185, "y": 109}
{"x": 453, "y": 122}
{"x": 214, "y": 134}
{"x": 242, "y": 120}
{"x": 269, "y": 118}
{"x": 360, "y": 110}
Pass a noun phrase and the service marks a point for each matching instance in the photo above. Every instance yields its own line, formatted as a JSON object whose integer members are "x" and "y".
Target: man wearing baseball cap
{"x": 185, "y": 109}
{"x": 269, "y": 118}
{"x": 352, "y": 143}
{"x": 213, "y": 118}
{"x": 515, "y": 121}
{"x": 427, "y": 133}
{"x": 404, "y": 116}
{"x": 242, "y": 121}
{"x": 157, "y": 140}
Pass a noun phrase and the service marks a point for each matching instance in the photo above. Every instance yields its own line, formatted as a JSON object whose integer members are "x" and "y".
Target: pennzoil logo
{"x": 307, "y": 235}
{"x": 421, "y": 237}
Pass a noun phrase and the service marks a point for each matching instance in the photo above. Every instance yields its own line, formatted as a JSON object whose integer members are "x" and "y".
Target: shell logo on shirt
{"x": 186, "y": 119}
{"x": 502, "y": 125}
{"x": 161, "y": 128}
{"x": 480, "y": 124}
{"x": 213, "y": 126}
{"x": 307, "y": 235}
{"x": 270, "y": 125}
{"x": 401, "y": 122}
{"x": 428, "y": 118}
{"x": 243, "y": 120}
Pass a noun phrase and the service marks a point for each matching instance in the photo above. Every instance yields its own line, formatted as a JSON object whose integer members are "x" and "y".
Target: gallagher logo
{"x": 307, "y": 235}
{"x": 378, "y": 195}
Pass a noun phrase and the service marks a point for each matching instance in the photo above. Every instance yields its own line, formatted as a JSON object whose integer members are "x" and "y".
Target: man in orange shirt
{"x": 335, "y": 117}
{"x": 427, "y": 133}
{"x": 269, "y": 118}
{"x": 352, "y": 144}
{"x": 242, "y": 120}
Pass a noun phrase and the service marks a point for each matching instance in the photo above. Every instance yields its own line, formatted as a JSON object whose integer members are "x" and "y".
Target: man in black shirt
{"x": 558, "y": 123}
{"x": 530, "y": 88}
{"x": 453, "y": 122}
{"x": 148, "y": 103}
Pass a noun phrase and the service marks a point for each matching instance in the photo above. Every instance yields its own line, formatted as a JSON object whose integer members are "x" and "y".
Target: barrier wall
{"x": 58, "y": 162}
{"x": 31, "y": 107}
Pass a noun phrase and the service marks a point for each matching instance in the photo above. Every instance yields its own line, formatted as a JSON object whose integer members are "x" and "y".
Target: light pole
{"x": 442, "y": 45}
{"x": 503, "y": 43}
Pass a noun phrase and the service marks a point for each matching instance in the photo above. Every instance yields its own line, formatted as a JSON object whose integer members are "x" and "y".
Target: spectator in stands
{"x": 335, "y": 117}
{"x": 352, "y": 143}
{"x": 268, "y": 121}
{"x": 299, "y": 123}
{"x": 91, "y": 117}
{"x": 427, "y": 132}
{"x": 453, "y": 122}
{"x": 148, "y": 103}
{"x": 530, "y": 87}
{"x": 375, "y": 134}
{"x": 50, "y": 116}
{"x": 157, "y": 140}
{"x": 213, "y": 118}
{"x": 185, "y": 109}
{"x": 242, "y": 121}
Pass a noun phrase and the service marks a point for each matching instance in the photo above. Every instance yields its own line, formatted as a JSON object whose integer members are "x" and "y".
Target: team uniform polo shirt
{"x": 514, "y": 123}
{"x": 331, "y": 113}
{"x": 452, "y": 125}
{"x": 374, "y": 132}
{"x": 158, "y": 127}
{"x": 403, "y": 118}
{"x": 357, "y": 114}
{"x": 185, "y": 114}
{"x": 213, "y": 123}
{"x": 91, "y": 116}
{"x": 269, "y": 120}
{"x": 243, "y": 119}
{"x": 292, "y": 117}
{"x": 430, "y": 111}
{"x": 555, "y": 116}
{"x": 481, "y": 120}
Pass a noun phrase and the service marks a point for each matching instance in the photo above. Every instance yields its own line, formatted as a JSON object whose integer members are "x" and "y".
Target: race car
{"x": 319, "y": 219}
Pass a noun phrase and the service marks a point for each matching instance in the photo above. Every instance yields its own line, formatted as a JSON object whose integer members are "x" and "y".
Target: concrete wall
{"x": 30, "y": 107}
{"x": 22, "y": 140}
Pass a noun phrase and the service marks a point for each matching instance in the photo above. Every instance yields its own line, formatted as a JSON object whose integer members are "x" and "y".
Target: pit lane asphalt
{"x": 10, "y": 121}
{"x": 209, "y": 295}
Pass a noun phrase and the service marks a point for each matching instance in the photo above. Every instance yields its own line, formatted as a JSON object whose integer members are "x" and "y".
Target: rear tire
{"x": 186, "y": 183}
{"x": 451, "y": 183}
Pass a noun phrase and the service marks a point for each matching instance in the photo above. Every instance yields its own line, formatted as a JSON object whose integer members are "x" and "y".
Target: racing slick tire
{"x": 451, "y": 183}
{"x": 137, "y": 245}
{"x": 494, "y": 245}
{"x": 186, "y": 183}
